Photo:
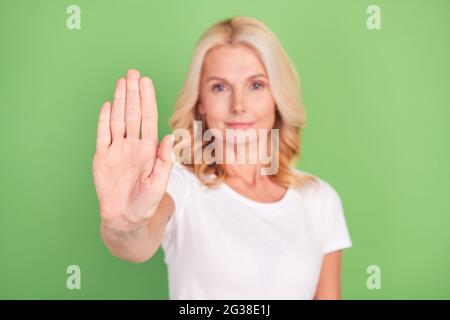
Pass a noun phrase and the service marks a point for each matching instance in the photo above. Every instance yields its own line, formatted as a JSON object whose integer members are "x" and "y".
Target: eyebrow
{"x": 222, "y": 79}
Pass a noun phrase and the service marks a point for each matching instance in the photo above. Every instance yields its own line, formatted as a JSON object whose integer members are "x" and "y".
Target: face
{"x": 235, "y": 91}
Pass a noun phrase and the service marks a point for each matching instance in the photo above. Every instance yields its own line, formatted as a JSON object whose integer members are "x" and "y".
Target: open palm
{"x": 130, "y": 171}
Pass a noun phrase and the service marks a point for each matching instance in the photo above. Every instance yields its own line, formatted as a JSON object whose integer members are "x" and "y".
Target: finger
{"x": 118, "y": 109}
{"x": 103, "y": 127}
{"x": 149, "y": 111}
{"x": 132, "y": 106}
{"x": 164, "y": 162}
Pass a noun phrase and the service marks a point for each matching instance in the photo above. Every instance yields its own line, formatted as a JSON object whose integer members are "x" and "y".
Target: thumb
{"x": 164, "y": 162}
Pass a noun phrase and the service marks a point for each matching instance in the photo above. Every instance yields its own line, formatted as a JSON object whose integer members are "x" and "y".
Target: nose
{"x": 237, "y": 106}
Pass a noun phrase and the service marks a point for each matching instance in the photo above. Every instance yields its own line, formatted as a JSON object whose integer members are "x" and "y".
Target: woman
{"x": 229, "y": 229}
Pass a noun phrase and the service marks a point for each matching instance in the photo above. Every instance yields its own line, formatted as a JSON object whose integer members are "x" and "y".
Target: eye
{"x": 257, "y": 85}
{"x": 218, "y": 87}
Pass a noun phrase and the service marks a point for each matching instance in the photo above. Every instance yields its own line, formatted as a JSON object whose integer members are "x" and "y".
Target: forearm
{"x": 132, "y": 246}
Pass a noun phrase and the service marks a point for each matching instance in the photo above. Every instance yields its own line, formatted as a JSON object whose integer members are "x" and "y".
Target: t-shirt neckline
{"x": 258, "y": 204}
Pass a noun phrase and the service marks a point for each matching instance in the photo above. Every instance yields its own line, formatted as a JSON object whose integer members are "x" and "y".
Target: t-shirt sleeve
{"x": 177, "y": 188}
{"x": 335, "y": 232}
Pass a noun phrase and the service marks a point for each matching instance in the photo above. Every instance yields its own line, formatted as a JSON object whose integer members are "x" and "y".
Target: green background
{"x": 377, "y": 130}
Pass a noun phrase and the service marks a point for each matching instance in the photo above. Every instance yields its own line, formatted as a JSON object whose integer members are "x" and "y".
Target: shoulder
{"x": 181, "y": 183}
{"x": 318, "y": 185}
{"x": 181, "y": 171}
{"x": 320, "y": 192}
{"x": 187, "y": 174}
{"x": 184, "y": 176}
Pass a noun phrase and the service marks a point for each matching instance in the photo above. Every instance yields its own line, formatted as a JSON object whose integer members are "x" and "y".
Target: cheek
{"x": 261, "y": 103}
{"x": 215, "y": 107}
{"x": 264, "y": 109}
{"x": 211, "y": 100}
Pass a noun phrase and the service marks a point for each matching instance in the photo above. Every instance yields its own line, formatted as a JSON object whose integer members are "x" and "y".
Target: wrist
{"x": 122, "y": 227}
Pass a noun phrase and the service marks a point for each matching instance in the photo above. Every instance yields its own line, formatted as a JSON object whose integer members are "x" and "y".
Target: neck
{"x": 246, "y": 168}
{"x": 248, "y": 173}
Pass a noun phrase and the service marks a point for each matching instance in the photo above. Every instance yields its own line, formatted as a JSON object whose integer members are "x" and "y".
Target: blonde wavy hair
{"x": 285, "y": 88}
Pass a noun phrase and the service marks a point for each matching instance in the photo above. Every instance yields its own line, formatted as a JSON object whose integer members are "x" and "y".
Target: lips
{"x": 239, "y": 125}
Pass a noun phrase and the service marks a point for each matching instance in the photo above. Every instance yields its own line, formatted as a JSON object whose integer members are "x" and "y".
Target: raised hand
{"x": 130, "y": 172}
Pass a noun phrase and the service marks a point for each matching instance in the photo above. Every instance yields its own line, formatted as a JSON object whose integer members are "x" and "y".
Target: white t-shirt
{"x": 219, "y": 244}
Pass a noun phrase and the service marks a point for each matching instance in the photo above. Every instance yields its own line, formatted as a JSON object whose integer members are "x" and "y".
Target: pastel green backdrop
{"x": 377, "y": 129}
